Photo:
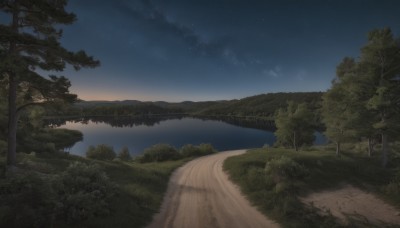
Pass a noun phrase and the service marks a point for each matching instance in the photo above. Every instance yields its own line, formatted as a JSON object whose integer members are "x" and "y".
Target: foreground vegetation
{"x": 275, "y": 178}
{"x": 60, "y": 190}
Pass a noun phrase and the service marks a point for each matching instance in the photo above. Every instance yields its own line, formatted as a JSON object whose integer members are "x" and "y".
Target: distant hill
{"x": 106, "y": 103}
{"x": 263, "y": 105}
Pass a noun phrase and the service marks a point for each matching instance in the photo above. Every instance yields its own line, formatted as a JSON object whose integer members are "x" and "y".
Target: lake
{"x": 139, "y": 134}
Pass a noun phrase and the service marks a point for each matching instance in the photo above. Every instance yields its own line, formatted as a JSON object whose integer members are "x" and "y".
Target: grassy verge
{"x": 274, "y": 178}
{"x": 139, "y": 187}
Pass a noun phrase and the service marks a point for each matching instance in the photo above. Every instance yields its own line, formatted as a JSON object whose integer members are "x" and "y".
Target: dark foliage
{"x": 27, "y": 200}
{"x": 85, "y": 191}
{"x": 124, "y": 154}
{"x": 190, "y": 150}
{"x": 159, "y": 152}
{"x": 101, "y": 152}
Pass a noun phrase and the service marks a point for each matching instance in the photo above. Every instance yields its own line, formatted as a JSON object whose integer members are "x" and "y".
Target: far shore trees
{"x": 294, "y": 126}
{"x": 29, "y": 43}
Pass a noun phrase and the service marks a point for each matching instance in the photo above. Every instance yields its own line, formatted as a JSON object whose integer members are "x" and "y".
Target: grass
{"x": 276, "y": 193}
{"x": 141, "y": 190}
{"x": 140, "y": 187}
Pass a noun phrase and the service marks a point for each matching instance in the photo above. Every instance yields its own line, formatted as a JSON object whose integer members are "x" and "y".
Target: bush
{"x": 85, "y": 191}
{"x": 193, "y": 151}
{"x": 27, "y": 200}
{"x": 160, "y": 152}
{"x": 285, "y": 169}
{"x": 124, "y": 154}
{"x": 190, "y": 151}
{"x": 255, "y": 178}
{"x": 38, "y": 200}
{"x": 101, "y": 152}
{"x": 206, "y": 148}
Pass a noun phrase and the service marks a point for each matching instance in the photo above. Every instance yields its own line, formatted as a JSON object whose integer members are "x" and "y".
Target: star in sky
{"x": 217, "y": 49}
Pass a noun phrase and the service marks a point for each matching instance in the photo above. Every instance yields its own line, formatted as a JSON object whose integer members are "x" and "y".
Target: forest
{"x": 261, "y": 106}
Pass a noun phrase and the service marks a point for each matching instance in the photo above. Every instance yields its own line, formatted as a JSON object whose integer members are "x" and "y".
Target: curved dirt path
{"x": 200, "y": 195}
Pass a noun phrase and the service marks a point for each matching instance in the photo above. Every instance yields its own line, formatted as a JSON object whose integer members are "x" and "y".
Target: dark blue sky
{"x": 217, "y": 49}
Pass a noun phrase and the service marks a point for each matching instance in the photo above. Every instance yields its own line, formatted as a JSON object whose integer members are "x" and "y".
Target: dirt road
{"x": 349, "y": 202}
{"x": 200, "y": 195}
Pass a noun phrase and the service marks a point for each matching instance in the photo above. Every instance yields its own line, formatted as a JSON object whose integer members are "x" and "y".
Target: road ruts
{"x": 200, "y": 195}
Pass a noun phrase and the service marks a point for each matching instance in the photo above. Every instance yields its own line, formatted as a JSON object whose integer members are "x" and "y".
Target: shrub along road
{"x": 200, "y": 195}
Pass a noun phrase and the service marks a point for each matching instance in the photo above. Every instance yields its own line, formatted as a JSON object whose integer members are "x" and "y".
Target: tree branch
{"x": 20, "y": 108}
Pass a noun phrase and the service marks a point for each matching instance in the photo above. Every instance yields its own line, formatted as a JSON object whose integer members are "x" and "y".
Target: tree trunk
{"x": 12, "y": 100}
{"x": 12, "y": 122}
{"x": 337, "y": 149}
{"x": 294, "y": 141}
{"x": 370, "y": 147}
{"x": 384, "y": 150}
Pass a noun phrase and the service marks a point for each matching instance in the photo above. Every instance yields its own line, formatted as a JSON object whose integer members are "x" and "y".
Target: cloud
{"x": 230, "y": 56}
{"x": 301, "y": 75}
{"x": 147, "y": 11}
{"x": 275, "y": 72}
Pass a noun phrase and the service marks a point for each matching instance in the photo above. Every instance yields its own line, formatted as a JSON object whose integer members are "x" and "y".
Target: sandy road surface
{"x": 349, "y": 201}
{"x": 200, "y": 195}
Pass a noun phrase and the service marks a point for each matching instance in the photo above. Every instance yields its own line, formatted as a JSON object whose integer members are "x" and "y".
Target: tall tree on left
{"x": 29, "y": 43}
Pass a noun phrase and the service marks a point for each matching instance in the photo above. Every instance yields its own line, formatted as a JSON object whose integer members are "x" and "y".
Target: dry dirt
{"x": 350, "y": 202}
{"x": 200, "y": 195}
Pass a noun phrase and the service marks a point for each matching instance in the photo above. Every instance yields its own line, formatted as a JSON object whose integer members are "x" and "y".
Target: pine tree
{"x": 338, "y": 108}
{"x": 364, "y": 100}
{"x": 30, "y": 42}
{"x": 294, "y": 126}
{"x": 380, "y": 58}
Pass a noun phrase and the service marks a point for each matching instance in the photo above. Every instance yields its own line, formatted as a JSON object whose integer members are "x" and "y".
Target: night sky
{"x": 217, "y": 49}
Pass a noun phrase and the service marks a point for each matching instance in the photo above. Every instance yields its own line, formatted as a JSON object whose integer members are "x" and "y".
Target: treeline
{"x": 264, "y": 105}
{"x": 363, "y": 103}
{"x": 114, "y": 121}
{"x": 115, "y": 109}
{"x": 261, "y": 106}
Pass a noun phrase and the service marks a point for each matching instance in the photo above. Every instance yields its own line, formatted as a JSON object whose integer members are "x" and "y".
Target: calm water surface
{"x": 177, "y": 132}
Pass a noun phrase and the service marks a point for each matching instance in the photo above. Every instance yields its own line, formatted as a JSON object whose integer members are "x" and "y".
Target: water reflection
{"x": 138, "y": 133}
{"x": 120, "y": 121}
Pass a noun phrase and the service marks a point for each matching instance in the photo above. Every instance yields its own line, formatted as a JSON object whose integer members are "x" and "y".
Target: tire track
{"x": 200, "y": 195}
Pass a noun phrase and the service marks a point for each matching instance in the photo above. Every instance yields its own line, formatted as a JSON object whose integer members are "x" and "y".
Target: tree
{"x": 338, "y": 105}
{"x": 294, "y": 126}
{"x": 31, "y": 42}
{"x": 364, "y": 100}
{"x": 159, "y": 153}
{"x": 124, "y": 154}
{"x": 380, "y": 58}
{"x": 101, "y": 152}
